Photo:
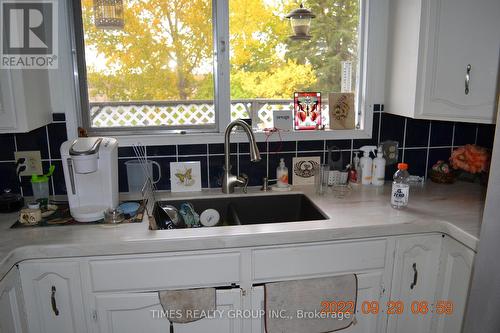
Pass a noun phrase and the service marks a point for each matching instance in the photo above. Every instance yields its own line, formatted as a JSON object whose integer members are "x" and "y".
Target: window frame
{"x": 370, "y": 85}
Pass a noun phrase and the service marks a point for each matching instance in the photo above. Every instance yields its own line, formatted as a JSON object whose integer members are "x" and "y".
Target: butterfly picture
{"x": 185, "y": 176}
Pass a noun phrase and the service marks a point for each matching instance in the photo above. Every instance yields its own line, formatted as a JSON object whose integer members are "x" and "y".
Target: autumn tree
{"x": 165, "y": 50}
{"x": 156, "y": 55}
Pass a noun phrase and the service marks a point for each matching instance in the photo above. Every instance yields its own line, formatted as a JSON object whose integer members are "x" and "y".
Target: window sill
{"x": 196, "y": 138}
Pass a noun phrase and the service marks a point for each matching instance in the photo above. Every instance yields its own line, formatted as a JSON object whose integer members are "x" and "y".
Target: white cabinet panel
{"x": 431, "y": 43}
{"x": 414, "y": 279}
{"x": 12, "y": 316}
{"x": 286, "y": 262}
{"x": 8, "y": 120}
{"x": 53, "y": 297}
{"x": 369, "y": 289}
{"x": 144, "y": 273}
{"x": 141, "y": 312}
{"x": 453, "y": 284}
{"x": 464, "y": 32}
{"x": 25, "y": 102}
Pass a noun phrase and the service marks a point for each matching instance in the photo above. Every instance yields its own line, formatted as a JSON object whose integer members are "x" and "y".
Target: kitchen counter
{"x": 455, "y": 210}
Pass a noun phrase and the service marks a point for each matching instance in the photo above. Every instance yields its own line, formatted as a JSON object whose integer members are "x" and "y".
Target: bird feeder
{"x": 108, "y": 14}
{"x": 300, "y": 19}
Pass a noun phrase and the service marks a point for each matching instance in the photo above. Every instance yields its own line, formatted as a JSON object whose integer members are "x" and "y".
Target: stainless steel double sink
{"x": 244, "y": 210}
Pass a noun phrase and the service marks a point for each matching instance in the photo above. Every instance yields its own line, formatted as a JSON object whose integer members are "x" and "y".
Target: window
{"x": 267, "y": 66}
{"x": 159, "y": 68}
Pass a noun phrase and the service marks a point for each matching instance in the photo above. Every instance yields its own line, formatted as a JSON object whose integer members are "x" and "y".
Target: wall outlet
{"x": 32, "y": 161}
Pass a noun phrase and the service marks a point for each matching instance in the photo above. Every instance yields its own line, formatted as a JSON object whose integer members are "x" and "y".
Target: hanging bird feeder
{"x": 108, "y": 14}
{"x": 300, "y": 19}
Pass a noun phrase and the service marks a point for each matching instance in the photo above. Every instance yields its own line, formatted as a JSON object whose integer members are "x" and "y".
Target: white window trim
{"x": 371, "y": 87}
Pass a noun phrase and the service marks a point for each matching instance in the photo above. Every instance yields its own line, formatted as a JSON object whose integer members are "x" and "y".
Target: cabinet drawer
{"x": 165, "y": 272}
{"x": 317, "y": 259}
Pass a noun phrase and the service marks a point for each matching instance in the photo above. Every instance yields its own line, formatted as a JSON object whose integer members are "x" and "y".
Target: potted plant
{"x": 441, "y": 173}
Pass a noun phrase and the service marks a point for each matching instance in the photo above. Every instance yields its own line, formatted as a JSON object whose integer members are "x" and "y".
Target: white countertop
{"x": 455, "y": 210}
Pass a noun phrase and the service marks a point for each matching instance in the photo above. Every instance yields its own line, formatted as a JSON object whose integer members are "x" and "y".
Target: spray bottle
{"x": 366, "y": 164}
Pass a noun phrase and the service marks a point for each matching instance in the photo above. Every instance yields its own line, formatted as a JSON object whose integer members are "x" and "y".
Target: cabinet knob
{"x": 467, "y": 78}
{"x": 53, "y": 301}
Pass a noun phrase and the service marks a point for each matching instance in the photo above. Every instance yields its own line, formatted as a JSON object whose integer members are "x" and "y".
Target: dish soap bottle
{"x": 282, "y": 174}
{"x": 400, "y": 187}
{"x": 366, "y": 164}
{"x": 378, "y": 175}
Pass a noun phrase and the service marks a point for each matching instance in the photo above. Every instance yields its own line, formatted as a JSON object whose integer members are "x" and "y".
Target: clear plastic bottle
{"x": 400, "y": 187}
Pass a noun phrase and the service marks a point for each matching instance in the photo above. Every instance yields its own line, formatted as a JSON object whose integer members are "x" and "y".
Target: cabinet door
{"x": 8, "y": 120}
{"x": 142, "y": 312}
{"x": 461, "y": 33}
{"x": 53, "y": 297}
{"x": 369, "y": 290}
{"x": 414, "y": 280}
{"x": 453, "y": 284}
{"x": 12, "y": 317}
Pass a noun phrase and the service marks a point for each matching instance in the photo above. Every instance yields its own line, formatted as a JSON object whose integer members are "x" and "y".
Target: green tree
{"x": 334, "y": 39}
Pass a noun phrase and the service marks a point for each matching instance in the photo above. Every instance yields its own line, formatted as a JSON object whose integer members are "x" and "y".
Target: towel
{"x": 185, "y": 306}
{"x": 311, "y": 305}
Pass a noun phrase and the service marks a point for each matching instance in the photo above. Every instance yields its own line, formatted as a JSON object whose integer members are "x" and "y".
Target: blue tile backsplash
{"x": 421, "y": 142}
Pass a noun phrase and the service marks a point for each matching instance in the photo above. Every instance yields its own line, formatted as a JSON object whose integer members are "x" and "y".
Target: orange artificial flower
{"x": 471, "y": 158}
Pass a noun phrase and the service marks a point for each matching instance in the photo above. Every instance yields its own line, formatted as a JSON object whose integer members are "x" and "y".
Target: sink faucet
{"x": 230, "y": 181}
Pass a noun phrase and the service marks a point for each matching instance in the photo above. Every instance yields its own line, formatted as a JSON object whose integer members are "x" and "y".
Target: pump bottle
{"x": 366, "y": 164}
{"x": 378, "y": 175}
{"x": 282, "y": 174}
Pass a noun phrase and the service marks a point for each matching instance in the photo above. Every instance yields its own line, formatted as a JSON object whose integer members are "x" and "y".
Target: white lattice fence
{"x": 182, "y": 113}
{"x": 152, "y": 115}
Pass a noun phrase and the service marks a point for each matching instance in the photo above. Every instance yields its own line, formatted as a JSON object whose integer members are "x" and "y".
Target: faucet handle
{"x": 244, "y": 178}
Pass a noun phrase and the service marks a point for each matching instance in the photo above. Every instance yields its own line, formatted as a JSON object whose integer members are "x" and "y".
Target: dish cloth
{"x": 310, "y": 305}
{"x": 188, "y": 305}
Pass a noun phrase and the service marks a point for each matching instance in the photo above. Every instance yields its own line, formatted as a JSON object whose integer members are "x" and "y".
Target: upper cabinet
{"x": 25, "y": 102}
{"x": 443, "y": 59}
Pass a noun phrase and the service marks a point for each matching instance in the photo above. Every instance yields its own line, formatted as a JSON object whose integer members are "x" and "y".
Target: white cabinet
{"x": 25, "y": 102}
{"x": 369, "y": 290}
{"x": 453, "y": 284}
{"x": 12, "y": 316}
{"x": 119, "y": 293}
{"x": 414, "y": 280}
{"x": 142, "y": 312}
{"x": 443, "y": 59}
{"x": 53, "y": 296}
{"x": 8, "y": 119}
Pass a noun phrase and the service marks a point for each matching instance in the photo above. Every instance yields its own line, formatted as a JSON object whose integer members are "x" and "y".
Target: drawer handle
{"x": 53, "y": 301}
{"x": 415, "y": 276}
{"x": 467, "y": 78}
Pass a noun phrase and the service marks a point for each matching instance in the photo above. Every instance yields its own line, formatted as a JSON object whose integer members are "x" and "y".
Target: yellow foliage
{"x": 281, "y": 82}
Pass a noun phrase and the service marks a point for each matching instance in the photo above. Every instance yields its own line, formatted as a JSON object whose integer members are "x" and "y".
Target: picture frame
{"x": 342, "y": 110}
{"x": 185, "y": 176}
{"x": 303, "y": 169}
{"x": 307, "y": 111}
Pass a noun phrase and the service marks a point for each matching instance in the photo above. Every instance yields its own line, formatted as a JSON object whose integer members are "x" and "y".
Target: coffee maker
{"x": 91, "y": 174}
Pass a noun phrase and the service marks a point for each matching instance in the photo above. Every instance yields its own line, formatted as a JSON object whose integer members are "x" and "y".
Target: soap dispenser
{"x": 378, "y": 175}
{"x": 282, "y": 174}
{"x": 366, "y": 164}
